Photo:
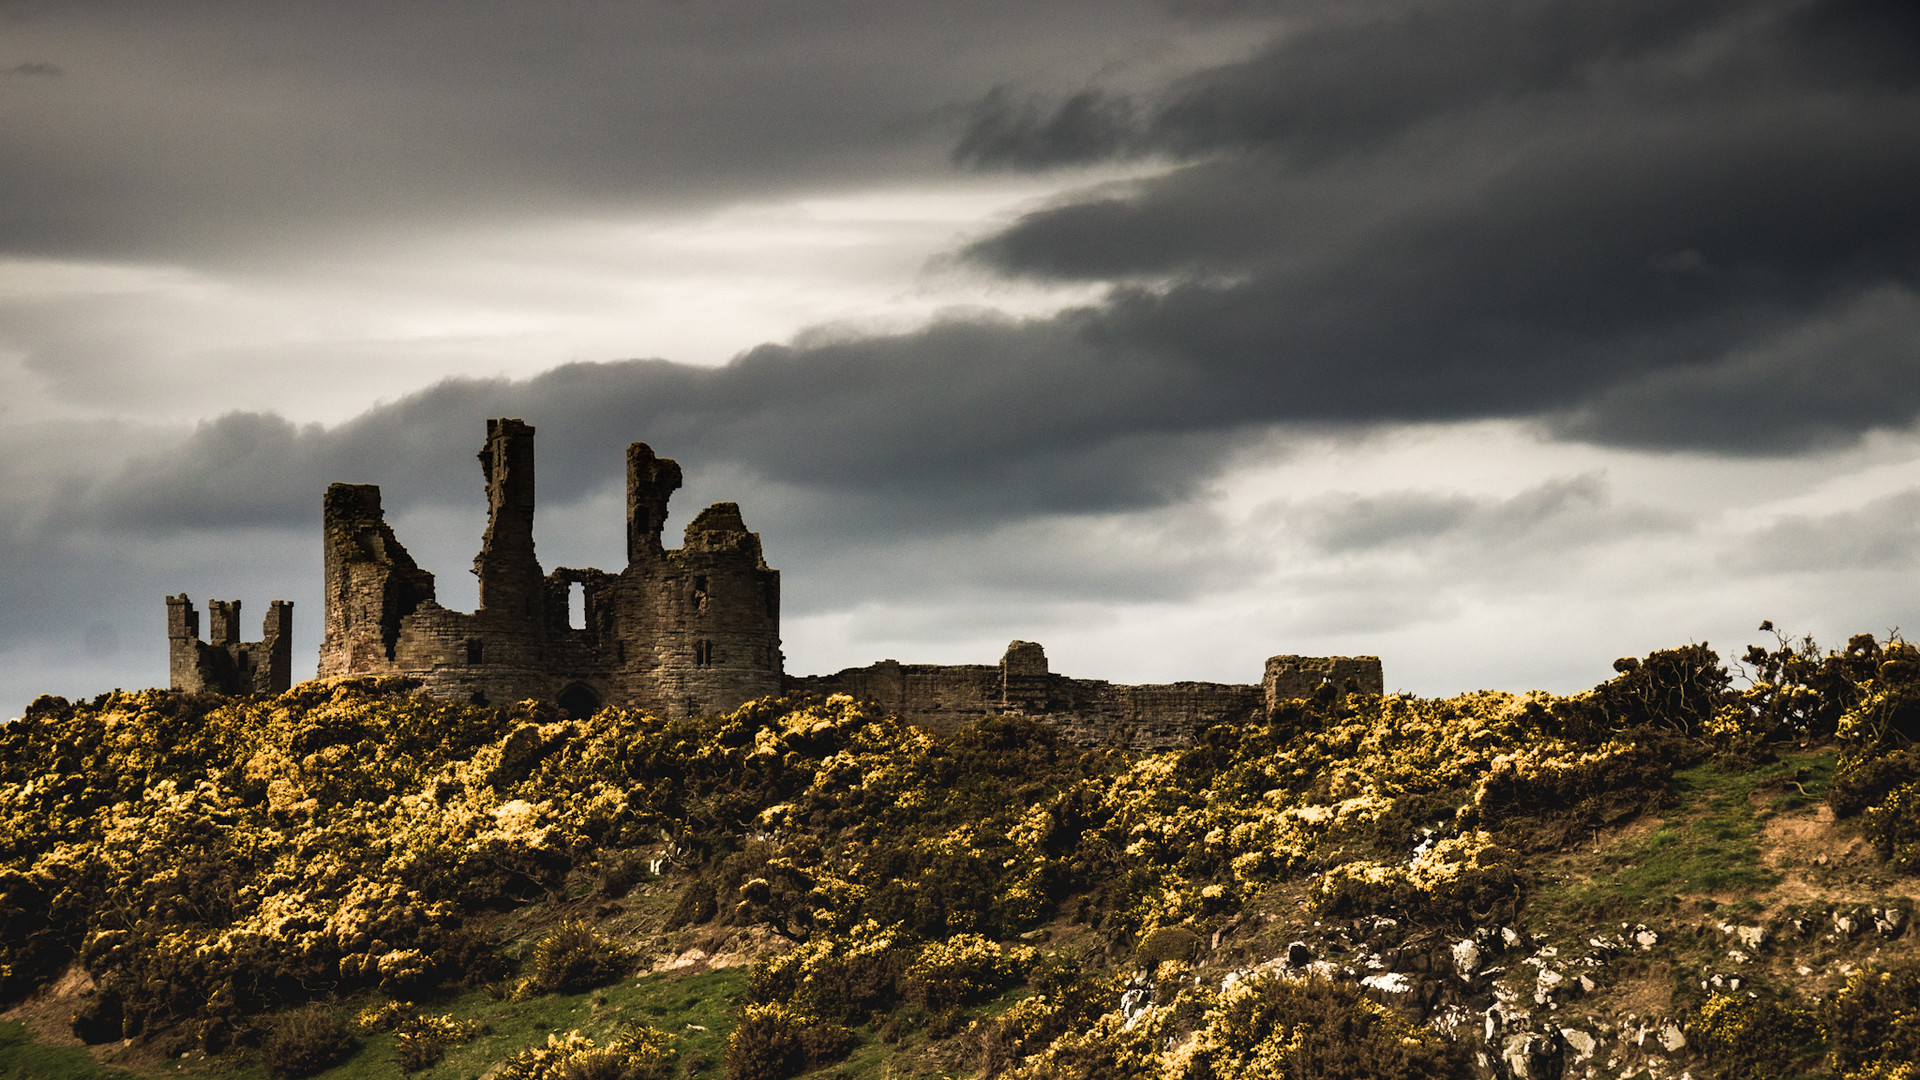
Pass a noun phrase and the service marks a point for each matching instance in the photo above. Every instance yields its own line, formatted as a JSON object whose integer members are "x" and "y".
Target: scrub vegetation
{"x": 1692, "y": 865}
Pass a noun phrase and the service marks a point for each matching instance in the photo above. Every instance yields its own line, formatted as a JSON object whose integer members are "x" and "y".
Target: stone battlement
{"x": 224, "y": 664}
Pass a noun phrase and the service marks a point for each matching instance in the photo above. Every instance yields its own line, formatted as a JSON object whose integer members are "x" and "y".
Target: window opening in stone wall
{"x": 702, "y": 653}
{"x": 772, "y": 596}
{"x": 700, "y": 593}
{"x": 476, "y": 652}
{"x": 576, "y": 606}
{"x": 240, "y": 660}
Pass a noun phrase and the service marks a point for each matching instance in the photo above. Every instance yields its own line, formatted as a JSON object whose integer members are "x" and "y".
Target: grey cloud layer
{"x": 1680, "y": 224}
{"x": 1884, "y": 534}
{"x": 1649, "y": 223}
{"x": 242, "y": 129}
{"x": 1548, "y": 520}
{"x": 1672, "y": 223}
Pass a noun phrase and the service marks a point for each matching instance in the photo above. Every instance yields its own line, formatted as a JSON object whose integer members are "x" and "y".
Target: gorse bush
{"x": 303, "y": 1042}
{"x": 574, "y": 956}
{"x": 1874, "y": 1021}
{"x": 963, "y": 970}
{"x": 1749, "y": 1037}
{"x": 1309, "y": 1030}
{"x": 420, "y": 1040}
{"x": 212, "y": 863}
{"x": 773, "y": 1042}
{"x": 643, "y": 1053}
{"x": 1163, "y": 944}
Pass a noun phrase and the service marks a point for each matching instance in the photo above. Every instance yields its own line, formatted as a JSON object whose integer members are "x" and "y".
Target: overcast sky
{"x": 1495, "y": 337}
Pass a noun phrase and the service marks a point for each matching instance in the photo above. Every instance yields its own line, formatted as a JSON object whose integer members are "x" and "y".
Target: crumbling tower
{"x": 651, "y": 481}
{"x": 716, "y": 602}
{"x": 677, "y": 631}
{"x": 225, "y": 664}
{"x": 371, "y": 583}
{"x": 508, "y": 571}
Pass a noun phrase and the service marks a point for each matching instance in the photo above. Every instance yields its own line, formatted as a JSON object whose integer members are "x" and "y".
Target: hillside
{"x": 1685, "y": 870}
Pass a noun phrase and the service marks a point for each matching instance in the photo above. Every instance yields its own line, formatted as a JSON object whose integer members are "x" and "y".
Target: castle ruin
{"x": 679, "y": 631}
{"x": 225, "y": 664}
{"x": 1093, "y": 711}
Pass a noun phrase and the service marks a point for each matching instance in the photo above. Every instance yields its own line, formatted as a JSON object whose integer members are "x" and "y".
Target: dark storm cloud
{"x": 964, "y": 424}
{"x": 239, "y": 129}
{"x": 1664, "y": 224}
{"x": 1350, "y": 78}
{"x": 1819, "y": 384}
{"x": 1345, "y": 80}
{"x": 1633, "y": 220}
{"x": 1668, "y": 224}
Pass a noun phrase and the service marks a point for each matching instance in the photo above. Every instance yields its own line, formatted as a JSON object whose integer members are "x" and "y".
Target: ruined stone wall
{"x": 712, "y": 614}
{"x": 1092, "y": 711}
{"x": 934, "y": 696}
{"x": 224, "y": 663}
{"x": 1303, "y": 676}
{"x": 1153, "y": 716}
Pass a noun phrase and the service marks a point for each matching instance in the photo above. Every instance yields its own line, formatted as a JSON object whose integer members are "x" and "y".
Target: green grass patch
{"x": 1710, "y": 843}
{"x": 681, "y": 1006}
{"x": 24, "y": 1059}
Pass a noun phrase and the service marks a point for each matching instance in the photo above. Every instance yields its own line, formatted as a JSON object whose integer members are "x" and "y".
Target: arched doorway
{"x": 579, "y": 701}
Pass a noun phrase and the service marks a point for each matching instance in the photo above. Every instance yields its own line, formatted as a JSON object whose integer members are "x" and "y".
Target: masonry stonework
{"x": 225, "y": 664}
{"x": 1093, "y": 711}
{"x": 679, "y": 631}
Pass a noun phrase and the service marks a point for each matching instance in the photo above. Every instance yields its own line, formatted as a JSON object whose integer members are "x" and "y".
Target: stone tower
{"x": 677, "y": 631}
{"x": 225, "y": 664}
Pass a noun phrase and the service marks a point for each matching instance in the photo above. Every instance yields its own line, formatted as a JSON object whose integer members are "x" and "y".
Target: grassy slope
{"x": 1731, "y": 846}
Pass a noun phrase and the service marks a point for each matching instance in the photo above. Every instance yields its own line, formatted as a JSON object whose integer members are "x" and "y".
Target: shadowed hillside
{"x": 1683, "y": 869}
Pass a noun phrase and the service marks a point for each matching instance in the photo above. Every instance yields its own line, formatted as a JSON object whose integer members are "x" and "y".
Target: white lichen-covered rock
{"x": 1889, "y": 922}
{"x": 1546, "y": 984}
{"x": 1582, "y": 1043}
{"x": 1466, "y": 958}
{"x": 1454, "y": 1022}
{"x": 1391, "y": 982}
{"x": 1534, "y": 1055}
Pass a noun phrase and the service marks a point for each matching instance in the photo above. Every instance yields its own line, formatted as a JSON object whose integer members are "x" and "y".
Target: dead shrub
{"x": 305, "y": 1041}
{"x": 1163, "y": 944}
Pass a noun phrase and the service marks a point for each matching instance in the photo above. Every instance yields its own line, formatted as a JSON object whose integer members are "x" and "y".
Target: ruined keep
{"x": 224, "y": 664}
{"x": 679, "y": 631}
